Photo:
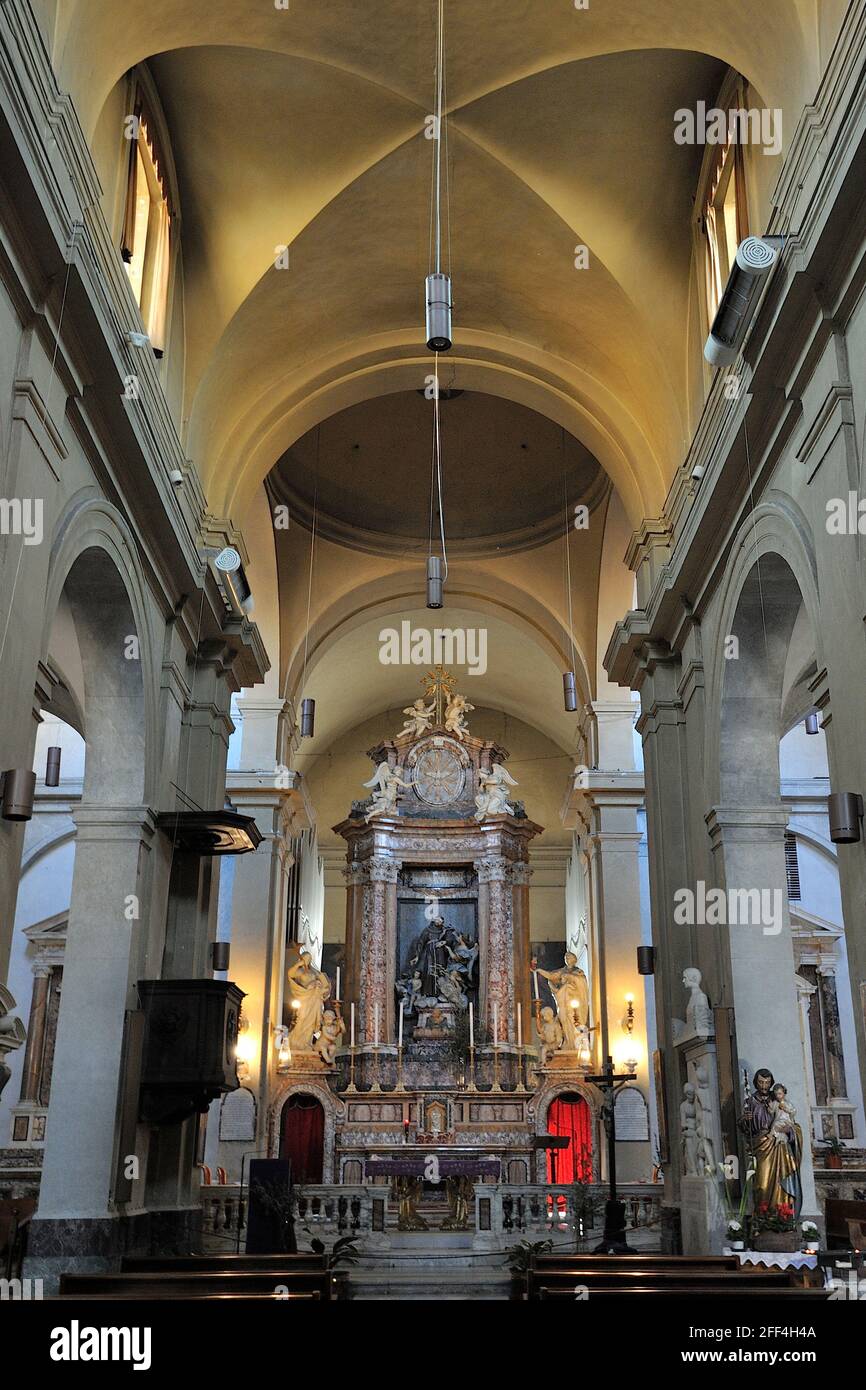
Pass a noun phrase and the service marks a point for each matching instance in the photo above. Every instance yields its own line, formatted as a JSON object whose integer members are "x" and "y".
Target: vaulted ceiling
{"x": 304, "y": 127}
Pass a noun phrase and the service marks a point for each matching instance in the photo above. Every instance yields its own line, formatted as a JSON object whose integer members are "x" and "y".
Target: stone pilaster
{"x": 497, "y": 952}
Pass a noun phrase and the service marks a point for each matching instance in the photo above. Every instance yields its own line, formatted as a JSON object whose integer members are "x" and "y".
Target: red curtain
{"x": 570, "y": 1116}
{"x": 302, "y": 1138}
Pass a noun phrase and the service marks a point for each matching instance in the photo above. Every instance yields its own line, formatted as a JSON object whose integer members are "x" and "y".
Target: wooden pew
{"x": 186, "y": 1283}
{"x": 789, "y": 1293}
{"x": 838, "y": 1213}
{"x": 219, "y": 1264}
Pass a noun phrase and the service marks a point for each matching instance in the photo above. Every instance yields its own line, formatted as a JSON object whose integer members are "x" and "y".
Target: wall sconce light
{"x": 52, "y": 767}
{"x": 845, "y": 811}
{"x": 18, "y": 787}
{"x": 646, "y": 960}
{"x": 244, "y": 1048}
{"x": 282, "y": 1045}
{"x": 628, "y": 1021}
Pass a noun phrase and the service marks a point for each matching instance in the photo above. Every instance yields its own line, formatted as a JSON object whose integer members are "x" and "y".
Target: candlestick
{"x": 400, "y": 1033}
{"x": 495, "y": 1023}
{"x": 337, "y": 991}
{"x": 471, "y": 1025}
{"x": 376, "y": 1025}
{"x": 535, "y": 978}
{"x": 519, "y": 1027}
{"x": 352, "y": 1022}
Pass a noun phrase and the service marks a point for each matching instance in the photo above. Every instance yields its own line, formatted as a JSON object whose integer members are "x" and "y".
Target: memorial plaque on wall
{"x": 632, "y": 1121}
{"x": 238, "y": 1116}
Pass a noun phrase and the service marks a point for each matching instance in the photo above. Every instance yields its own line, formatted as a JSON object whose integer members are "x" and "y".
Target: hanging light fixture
{"x": 308, "y": 706}
{"x": 438, "y": 296}
{"x": 812, "y": 722}
{"x": 438, "y": 286}
{"x": 569, "y": 686}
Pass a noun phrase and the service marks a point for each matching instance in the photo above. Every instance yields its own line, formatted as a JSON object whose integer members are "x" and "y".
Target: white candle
{"x": 495, "y": 1023}
{"x": 337, "y": 994}
{"x": 471, "y": 1025}
{"x": 519, "y": 1026}
{"x": 535, "y": 978}
{"x": 400, "y": 1036}
{"x": 352, "y": 1022}
{"x": 376, "y": 1025}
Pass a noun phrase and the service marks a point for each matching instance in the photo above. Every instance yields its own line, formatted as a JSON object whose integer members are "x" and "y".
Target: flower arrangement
{"x": 735, "y": 1211}
{"x": 811, "y": 1239}
{"x": 778, "y": 1218}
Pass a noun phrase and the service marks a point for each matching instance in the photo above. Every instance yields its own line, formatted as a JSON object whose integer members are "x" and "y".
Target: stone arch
{"x": 332, "y": 1107}
{"x": 777, "y": 538}
{"x": 94, "y": 561}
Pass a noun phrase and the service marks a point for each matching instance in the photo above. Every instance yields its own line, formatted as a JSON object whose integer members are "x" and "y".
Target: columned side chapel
{"x": 431, "y": 640}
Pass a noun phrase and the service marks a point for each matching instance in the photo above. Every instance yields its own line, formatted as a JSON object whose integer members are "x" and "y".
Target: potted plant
{"x": 774, "y": 1228}
{"x": 735, "y": 1235}
{"x": 810, "y": 1237}
{"x": 834, "y": 1149}
{"x": 735, "y": 1211}
{"x": 521, "y": 1259}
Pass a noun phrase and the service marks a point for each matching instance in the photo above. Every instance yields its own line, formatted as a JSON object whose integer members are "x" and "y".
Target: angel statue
{"x": 387, "y": 783}
{"x": 455, "y": 716}
{"x": 330, "y": 1033}
{"x": 420, "y": 719}
{"x": 492, "y": 794}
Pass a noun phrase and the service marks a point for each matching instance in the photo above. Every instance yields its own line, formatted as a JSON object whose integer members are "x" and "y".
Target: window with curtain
{"x": 724, "y": 216}
{"x": 146, "y": 243}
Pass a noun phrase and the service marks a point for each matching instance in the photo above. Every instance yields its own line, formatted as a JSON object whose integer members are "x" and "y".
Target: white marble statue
{"x": 387, "y": 783}
{"x": 455, "y": 716}
{"x": 705, "y": 1122}
{"x": 550, "y": 1035}
{"x": 420, "y": 719}
{"x": 570, "y": 989}
{"x": 699, "y": 1015}
{"x": 492, "y": 798}
{"x": 328, "y": 1041}
{"x": 308, "y": 990}
{"x": 689, "y": 1132}
{"x": 12, "y": 1032}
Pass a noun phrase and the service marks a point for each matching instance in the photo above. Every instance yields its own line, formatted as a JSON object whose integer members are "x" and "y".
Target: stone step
{"x": 440, "y": 1284}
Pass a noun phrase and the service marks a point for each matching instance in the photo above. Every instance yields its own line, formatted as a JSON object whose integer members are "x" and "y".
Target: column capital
{"x": 383, "y": 870}
{"x": 494, "y": 869}
{"x": 746, "y": 823}
{"x": 117, "y": 823}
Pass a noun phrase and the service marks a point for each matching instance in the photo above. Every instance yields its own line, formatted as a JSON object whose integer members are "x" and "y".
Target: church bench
{"x": 159, "y": 1295}
{"x": 610, "y": 1279}
{"x": 838, "y": 1213}
{"x": 744, "y": 1292}
{"x": 206, "y": 1282}
{"x": 640, "y": 1258}
{"x": 219, "y": 1264}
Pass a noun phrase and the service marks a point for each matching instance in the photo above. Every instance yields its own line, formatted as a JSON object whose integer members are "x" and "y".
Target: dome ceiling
{"x": 506, "y": 473}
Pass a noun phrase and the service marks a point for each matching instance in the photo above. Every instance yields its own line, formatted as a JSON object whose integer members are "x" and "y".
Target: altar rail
{"x": 564, "y": 1213}
{"x": 503, "y": 1214}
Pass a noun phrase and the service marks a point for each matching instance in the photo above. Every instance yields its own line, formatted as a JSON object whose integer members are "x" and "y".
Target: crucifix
{"x": 439, "y": 685}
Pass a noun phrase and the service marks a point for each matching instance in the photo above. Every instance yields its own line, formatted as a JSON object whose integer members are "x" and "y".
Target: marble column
{"x": 497, "y": 963}
{"x": 378, "y": 949}
{"x": 36, "y": 1034}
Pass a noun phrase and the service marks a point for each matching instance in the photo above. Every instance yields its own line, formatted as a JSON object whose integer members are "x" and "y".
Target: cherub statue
{"x": 420, "y": 719}
{"x": 387, "y": 783}
{"x": 328, "y": 1041}
{"x": 492, "y": 795}
{"x": 455, "y": 716}
{"x": 550, "y": 1033}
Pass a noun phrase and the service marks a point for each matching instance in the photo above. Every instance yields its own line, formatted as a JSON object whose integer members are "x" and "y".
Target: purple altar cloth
{"x": 448, "y": 1167}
